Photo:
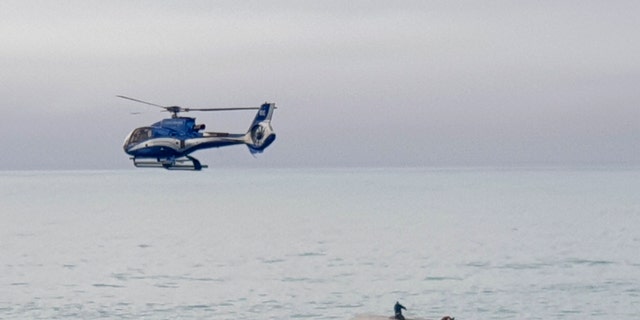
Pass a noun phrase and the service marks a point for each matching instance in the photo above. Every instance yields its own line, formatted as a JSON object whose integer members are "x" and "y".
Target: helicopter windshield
{"x": 140, "y": 134}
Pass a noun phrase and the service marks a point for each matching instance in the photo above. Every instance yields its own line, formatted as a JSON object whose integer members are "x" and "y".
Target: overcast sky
{"x": 357, "y": 83}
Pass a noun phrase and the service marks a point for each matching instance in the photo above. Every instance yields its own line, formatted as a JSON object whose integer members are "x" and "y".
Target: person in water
{"x": 398, "y": 310}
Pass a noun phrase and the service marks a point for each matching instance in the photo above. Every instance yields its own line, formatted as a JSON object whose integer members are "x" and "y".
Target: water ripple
{"x": 105, "y": 285}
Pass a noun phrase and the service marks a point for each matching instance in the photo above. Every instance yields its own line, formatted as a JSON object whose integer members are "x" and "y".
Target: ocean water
{"x": 320, "y": 244}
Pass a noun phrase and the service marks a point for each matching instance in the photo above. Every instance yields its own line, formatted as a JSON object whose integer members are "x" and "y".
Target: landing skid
{"x": 185, "y": 163}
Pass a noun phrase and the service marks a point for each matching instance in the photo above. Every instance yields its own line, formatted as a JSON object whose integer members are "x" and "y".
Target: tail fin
{"x": 260, "y": 134}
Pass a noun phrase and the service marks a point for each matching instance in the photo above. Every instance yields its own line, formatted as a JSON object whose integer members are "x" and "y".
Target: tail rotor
{"x": 261, "y": 134}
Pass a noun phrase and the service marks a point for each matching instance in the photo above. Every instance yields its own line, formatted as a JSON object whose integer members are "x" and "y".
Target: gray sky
{"x": 371, "y": 83}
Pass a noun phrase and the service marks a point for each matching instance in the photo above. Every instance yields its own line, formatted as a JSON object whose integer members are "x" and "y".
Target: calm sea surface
{"x": 320, "y": 244}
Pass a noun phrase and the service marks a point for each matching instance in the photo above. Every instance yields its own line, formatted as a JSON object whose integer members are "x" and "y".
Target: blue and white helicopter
{"x": 168, "y": 143}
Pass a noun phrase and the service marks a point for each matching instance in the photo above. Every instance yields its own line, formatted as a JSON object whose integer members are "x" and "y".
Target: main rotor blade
{"x": 220, "y": 109}
{"x": 136, "y": 100}
{"x": 176, "y": 109}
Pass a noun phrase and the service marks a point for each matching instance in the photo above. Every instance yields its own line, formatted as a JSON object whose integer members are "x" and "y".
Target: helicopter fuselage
{"x": 175, "y": 137}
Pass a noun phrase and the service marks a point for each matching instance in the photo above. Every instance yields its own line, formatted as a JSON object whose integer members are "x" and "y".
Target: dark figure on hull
{"x": 398, "y": 311}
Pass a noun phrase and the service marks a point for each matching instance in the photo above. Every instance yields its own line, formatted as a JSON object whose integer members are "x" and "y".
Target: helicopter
{"x": 168, "y": 142}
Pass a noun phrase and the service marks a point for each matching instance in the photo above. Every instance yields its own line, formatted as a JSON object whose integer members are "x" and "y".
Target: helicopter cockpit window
{"x": 141, "y": 134}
